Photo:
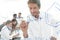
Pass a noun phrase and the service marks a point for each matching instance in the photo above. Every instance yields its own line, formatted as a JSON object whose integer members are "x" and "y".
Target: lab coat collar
{"x": 9, "y": 28}
{"x": 36, "y": 18}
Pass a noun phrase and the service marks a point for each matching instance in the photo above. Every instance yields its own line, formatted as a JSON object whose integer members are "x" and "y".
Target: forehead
{"x": 10, "y": 23}
{"x": 13, "y": 21}
{"x": 23, "y": 22}
{"x": 32, "y": 5}
{"x": 19, "y": 13}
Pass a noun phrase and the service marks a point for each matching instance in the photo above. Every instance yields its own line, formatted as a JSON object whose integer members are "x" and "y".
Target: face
{"x": 14, "y": 16}
{"x": 23, "y": 24}
{"x": 34, "y": 9}
{"x": 19, "y": 14}
{"x": 14, "y": 23}
{"x": 10, "y": 24}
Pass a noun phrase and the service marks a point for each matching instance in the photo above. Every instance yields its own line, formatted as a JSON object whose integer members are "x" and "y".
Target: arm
{"x": 51, "y": 21}
{"x": 25, "y": 34}
{"x": 1, "y": 26}
{"x": 24, "y": 28}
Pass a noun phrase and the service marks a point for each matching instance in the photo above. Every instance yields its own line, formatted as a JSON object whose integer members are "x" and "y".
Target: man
{"x": 14, "y": 16}
{"x": 19, "y": 18}
{"x": 19, "y": 15}
{"x": 34, "y": 9}
{"x": 37, "y": 16}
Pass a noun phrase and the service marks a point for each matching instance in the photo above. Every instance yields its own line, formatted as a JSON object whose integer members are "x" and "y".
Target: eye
{"x": 34, "y": 7}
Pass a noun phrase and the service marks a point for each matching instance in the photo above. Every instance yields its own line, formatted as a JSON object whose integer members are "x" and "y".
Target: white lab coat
{"x": 57, "y": 32}
{"x": 5, "y": 33}
{"x": 42, "y": 27}
{"x": 39, "y": 30}
{"x": 19, "y": 21}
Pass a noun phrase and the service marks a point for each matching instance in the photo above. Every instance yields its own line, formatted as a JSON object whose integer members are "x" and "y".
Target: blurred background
{"x": 10, "y": 7}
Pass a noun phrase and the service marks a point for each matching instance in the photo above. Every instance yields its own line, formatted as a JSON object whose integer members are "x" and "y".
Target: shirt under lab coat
{"x": 45, "y": 29}
{"x": 5, "y": 33}
{"x": 47, "y": 17}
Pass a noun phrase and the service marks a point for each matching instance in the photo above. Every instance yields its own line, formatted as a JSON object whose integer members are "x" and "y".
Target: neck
{"x": 37, "y": 16}
{"x": 10, "y": 28}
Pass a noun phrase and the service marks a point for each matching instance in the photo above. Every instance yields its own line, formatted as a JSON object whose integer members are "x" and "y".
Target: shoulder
{"x": 43, "y": 14}
{"x": 4, "y": 28}
{"x": 29, "y": 16}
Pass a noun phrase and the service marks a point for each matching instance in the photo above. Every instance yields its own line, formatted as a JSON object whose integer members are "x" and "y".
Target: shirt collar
{"x": 9, "y": 28}
{"x": 36, "y": 18}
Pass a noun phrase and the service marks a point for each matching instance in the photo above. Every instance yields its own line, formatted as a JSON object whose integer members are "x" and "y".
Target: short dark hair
{"x": 35, "y": 1}
{"x": 19, "y": 13}
{"x": 14, "y": 15}
{"x": 14, "y": 20}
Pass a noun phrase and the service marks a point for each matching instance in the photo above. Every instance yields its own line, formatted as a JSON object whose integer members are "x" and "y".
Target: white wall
{"x": 9, "y": 7}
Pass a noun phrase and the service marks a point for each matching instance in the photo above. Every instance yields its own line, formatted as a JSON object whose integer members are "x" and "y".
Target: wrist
{"x": 25, "y": 35}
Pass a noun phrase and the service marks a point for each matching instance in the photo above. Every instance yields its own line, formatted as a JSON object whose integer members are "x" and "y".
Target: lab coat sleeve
{"x": 1, "y": 26}
{"x": 50, "y": 20}
{"x": 30, "y": 34}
